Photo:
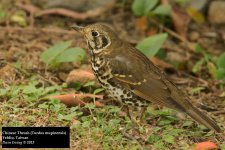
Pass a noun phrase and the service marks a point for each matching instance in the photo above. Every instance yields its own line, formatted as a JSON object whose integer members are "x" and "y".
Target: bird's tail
{"x": 202, "y": 118}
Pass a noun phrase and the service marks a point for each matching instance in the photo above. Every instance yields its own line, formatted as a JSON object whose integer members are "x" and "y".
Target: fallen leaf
{"x": 70, "y": 99}
{"x": 152, "y": 31}
{"x": 99, "y": 104}
{"x": 142, "y": 24}
{"x": 77, "y": 99}
{"x": 195, "y": 15}
{"x": 205, "y": 146}
{"x": 180, "y": 20}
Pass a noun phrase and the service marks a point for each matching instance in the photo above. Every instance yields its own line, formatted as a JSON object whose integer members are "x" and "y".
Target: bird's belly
{"x": 124, "y": 95}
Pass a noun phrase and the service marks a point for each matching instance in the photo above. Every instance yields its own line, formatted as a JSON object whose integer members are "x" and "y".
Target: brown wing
{"x": 137, "y": 73}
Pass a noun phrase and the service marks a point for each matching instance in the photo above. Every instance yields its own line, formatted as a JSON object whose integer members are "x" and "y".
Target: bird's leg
{"x": 143, "y": 109}
{"x": 133, "y": 120}
{"x": 128, "y": 112}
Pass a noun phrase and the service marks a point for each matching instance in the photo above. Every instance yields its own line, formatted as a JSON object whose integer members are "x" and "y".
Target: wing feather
{"x": 147, "y": 85}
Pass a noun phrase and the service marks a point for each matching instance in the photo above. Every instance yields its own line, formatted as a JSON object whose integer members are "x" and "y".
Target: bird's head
{"x": 98, "y": 36}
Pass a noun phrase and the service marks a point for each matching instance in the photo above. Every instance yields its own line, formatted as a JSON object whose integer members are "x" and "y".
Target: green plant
{"x": 60, "y": 53}
{"x": 215, "y": 66}
{"x": 2, "y": 13}
{"x": 145, "y": 7}
{"x": 30, "y": 92}
{"x": 220, "y": 73}
{"x": 19, "y": 17}
{"x": 150, "y": 46}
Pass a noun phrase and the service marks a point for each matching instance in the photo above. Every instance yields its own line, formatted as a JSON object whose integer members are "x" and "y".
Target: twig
{"x": 55, "y": 30}
{"x": 48, "y": 80}
{"x": 218, "y": 112}
{"x": 204, "y": 82}
{"x": 28, "y": 7}
{"x": 64, "y": 12}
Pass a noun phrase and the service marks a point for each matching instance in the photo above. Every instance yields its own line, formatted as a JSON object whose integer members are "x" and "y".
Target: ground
{"x": 25, "y": 82}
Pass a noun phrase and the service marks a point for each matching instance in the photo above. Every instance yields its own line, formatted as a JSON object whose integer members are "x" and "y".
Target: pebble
{"x": 194, "y": 36}
{"x": 216, "y": 14}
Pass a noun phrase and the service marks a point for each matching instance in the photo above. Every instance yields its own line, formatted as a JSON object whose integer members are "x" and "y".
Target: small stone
{"x": 194, "y": 36}
{"x": 217, "y": 12}
{"x": 80, "y": 75}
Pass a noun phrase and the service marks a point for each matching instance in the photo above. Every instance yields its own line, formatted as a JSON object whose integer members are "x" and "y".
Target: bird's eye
{"x": 94, "y": 33}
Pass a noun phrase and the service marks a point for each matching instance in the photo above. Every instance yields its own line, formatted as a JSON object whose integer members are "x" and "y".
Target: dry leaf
{"x": 180, "y": 20}
{"x": 205, "y": 146}
{"x": 142, "y": 24}
{"x": 77, "y": 99}
{"x": 195, "y": 15}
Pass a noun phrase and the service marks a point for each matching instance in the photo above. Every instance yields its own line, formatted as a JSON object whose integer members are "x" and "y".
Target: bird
{"x": 129, "y": 77}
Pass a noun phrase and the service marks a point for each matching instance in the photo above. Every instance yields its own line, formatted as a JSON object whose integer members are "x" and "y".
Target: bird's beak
{"x": 77, "y": 28}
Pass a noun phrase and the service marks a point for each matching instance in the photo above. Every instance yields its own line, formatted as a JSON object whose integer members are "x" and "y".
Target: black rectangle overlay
{"x": 35, "y": 137}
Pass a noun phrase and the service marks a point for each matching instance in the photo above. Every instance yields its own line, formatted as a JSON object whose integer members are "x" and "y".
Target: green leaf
{"x": 153, "y": 138}
{"x": 221, "y": 61}
{"x": 182, "y": 2}
{"x": 198, "y": 65}
{"x": 98, "y": 90}
{"x": 68, "y": 117}
{"x": 1, "y": 82}
{"x": 3, "y": 92}
{"x": 199, "y": 49}
{"x": 168, "y": 138}
{"x": 50, "y": 54}
{"x": 212, "y": 69}
{"x": 20, "y": 18}
{"x": 142, "y": 7}
{"x": 2, "y": 13}
{"x": 187, "y": 123}
{"x": 72, "y": 54}
{"x": 90, "y": 83}
{"x": 76, "y": 85}
{"x": 159, "y": 145}
{"x": 164, "y": 10}
{"x": 195, "y": 14}
{"x": 43, "y": 105}
{"x": 197, "y": 90}
{"x": 220, "y": 74}
{"x": 151, "y": 45}
{"x": 164, "y": 122}
{"x": 29, "y": 89}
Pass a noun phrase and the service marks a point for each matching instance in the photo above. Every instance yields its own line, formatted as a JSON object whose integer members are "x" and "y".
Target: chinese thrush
{"x": 130, "y": 77}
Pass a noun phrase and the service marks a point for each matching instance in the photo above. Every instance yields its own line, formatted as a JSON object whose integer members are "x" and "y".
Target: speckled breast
{"x": 104, "y": 75}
